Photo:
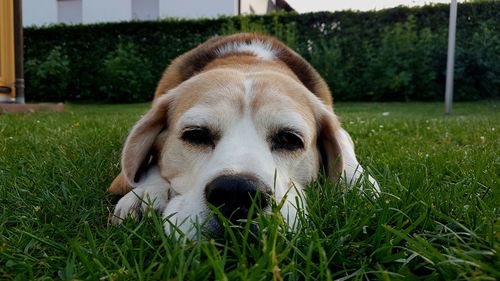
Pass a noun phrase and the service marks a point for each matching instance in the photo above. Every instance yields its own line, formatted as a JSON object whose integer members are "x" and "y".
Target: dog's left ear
{"x": 328, "y": 144}
{"x": 140, "y": 145}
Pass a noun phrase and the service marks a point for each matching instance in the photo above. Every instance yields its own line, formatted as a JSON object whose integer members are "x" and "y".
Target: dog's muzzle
{"x": 234, "y": 196}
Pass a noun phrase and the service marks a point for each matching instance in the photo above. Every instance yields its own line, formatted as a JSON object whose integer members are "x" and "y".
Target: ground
{"x": 438, "y": 216}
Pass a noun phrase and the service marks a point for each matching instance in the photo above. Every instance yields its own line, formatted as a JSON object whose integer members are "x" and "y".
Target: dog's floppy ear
{"x": 138, "y": 148}
{"x": 328, "y": 145}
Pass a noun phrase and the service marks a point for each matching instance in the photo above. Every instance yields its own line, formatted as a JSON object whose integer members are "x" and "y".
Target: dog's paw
{"x": 151, "y": 195}
{"x": 129, "y": 205}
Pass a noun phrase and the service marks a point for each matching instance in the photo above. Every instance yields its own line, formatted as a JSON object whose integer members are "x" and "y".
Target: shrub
{"x": 126, "y": 75}
{"x": 50, "y": 76}
{"x": 392, "y": 55}
{"x": 477, "y": 69}
{"x": 286, "y": 32}
{"x": 403, "y": 60}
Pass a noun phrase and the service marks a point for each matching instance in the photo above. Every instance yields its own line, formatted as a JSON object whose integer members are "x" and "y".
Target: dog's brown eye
{"x": 201, "y": 136}
{"x": 287, "y": 140}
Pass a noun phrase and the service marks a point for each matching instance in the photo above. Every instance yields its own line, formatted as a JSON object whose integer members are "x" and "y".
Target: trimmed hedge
{"x": 391, "y": 55}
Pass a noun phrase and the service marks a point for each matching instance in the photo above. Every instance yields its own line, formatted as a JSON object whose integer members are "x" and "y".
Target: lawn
{"x": 437, "y": 218}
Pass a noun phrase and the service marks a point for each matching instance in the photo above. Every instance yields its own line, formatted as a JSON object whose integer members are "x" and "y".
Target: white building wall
{"x": 197, "y": 8}
{"x": 95, "y": 11}
{"x": 145, "y": 9}
{"x": 39, "y": 12}
{"x": 69, "y": 11}
{"x": 44, "y": 12}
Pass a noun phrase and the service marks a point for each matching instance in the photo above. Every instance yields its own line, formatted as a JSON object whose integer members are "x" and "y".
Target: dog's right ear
{"x": 138, "y": 148}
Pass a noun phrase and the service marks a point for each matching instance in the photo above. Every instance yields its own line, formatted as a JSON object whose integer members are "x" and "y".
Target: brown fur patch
{"x": 119, "y": 185}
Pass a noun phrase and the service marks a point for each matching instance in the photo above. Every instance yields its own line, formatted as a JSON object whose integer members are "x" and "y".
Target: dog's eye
{"x": 201, "y": 136}
{"x": 287, "y": 140}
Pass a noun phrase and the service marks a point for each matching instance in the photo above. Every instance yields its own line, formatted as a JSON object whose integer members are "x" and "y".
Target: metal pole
{"x": 450, "y": 65}
{"x": 18, "y": 49}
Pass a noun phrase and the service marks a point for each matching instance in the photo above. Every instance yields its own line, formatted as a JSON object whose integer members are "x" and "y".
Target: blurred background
{"x": 114, "y": 51}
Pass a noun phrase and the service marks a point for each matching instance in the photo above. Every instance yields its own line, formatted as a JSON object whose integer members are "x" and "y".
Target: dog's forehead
{"x": 275, "y": 91}
{"x": 226, "y": 92}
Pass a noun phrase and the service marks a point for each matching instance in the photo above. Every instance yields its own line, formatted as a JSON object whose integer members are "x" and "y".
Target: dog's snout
{"x": 234, "y": 195}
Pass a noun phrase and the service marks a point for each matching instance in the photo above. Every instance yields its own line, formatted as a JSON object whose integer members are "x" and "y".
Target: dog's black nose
{"x": 234, "y": 195}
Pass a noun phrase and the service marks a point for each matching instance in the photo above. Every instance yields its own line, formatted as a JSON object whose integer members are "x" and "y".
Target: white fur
{"x": 260, "y": 49}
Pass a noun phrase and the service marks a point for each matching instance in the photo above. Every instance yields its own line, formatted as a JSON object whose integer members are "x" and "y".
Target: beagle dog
{"x": 237, "y": 117}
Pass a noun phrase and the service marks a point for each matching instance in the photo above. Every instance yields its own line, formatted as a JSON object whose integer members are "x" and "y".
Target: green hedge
{"x": 390, "y": 55}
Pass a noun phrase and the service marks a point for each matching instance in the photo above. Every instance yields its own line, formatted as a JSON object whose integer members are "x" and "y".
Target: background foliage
{"x": 391, "y": 55}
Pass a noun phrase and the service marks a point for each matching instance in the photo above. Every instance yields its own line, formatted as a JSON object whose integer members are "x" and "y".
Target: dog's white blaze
{"x": 247, "y": 85}
{"x": 262, "y": 50}
{"x": 243, "y": 150}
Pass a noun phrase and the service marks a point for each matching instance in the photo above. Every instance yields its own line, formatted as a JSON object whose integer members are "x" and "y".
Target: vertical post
{"x": 450, "y": 64}
{"x": 18, "y": 50}
{"x": 7, "y": 69}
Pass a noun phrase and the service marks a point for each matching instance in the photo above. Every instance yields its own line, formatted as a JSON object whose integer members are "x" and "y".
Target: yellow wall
{"x": 7, "y": 68}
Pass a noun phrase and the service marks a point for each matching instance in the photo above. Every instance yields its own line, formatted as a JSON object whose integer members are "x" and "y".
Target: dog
{"x": 237, "y": 117}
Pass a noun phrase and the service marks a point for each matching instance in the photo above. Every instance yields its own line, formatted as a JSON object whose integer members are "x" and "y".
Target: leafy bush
{"x": 125, "y": 75}
{"x": 286, "y": 32}
{"x": 477, "y": 69}
{"x": 402, "y": 62}
{"x": 49, "y": 76}
{"x": 391, "y": 55}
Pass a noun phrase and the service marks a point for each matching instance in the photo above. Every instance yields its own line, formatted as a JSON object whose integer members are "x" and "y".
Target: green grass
{"x": 437, "y": 219}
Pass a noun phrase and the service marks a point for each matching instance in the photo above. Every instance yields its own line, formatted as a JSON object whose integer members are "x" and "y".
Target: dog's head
{"x": 237, "y": 117}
